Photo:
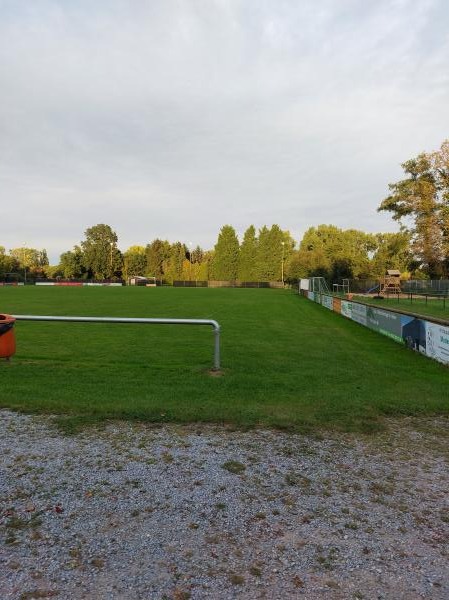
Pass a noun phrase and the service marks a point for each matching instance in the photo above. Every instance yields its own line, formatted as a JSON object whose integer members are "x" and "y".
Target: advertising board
{"x": 437, "y": 341}
{"x": 311, "y": 295}
{"x": 327, "y": 301}
{"x": 359, "y": 312}
{"x": 386, "y": 322}
{"x": 346, "y": 309}
{"x": 337, "y": 305}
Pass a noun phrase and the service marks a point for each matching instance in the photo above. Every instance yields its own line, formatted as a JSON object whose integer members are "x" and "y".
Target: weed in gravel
{"x": 444, "y": 515}
{"x": 255, "y": 570}
{"x": 378, "y": 487}
{"x": 327, "y": 560}
{"x": 212, "y": 539}
{"x": 297, "y": 479}
{"x": 234, "y": 466}
{"x": 179, "y": 594}
{"x": 97, "y": 563}
{"x": 236, "y": 579}
{"x": 167, "y": 457}
{"x": 34, "y": 594}
{"x": 298, "y": 582}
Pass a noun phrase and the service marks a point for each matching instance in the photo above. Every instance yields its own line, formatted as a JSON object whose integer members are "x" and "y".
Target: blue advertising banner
{"x": 358, "y": 313}
{"x": 327, "y": 301}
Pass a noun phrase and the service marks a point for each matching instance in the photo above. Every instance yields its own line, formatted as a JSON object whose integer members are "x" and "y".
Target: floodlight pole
{"x": 282, "y": 264}
{"x": 214, "y": 324}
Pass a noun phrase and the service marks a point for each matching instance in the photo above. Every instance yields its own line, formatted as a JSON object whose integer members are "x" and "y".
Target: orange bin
{"x": 7, "y": 337}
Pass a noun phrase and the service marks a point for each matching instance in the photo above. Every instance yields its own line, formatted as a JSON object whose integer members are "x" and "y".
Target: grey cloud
{"x": 170, "y": 119}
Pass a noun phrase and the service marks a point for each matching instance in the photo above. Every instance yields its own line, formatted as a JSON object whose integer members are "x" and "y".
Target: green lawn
{"x": 288, "y": 362}
{"x": 434, "y": 307}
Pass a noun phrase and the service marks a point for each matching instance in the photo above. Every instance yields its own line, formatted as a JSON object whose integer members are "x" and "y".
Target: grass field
{"x": 434, "y": 307}
{"x": 288, "y": 362}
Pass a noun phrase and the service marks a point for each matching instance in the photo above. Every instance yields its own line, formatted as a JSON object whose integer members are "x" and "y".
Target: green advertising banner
{"x": 385, "y": 322}
{"x": 346, "y": 309}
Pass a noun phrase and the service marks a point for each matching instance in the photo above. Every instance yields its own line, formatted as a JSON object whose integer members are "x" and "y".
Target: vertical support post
{"x": 216, "y": 349}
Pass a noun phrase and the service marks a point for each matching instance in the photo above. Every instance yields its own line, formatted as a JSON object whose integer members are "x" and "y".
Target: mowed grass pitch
{"x": 287, "y": 362}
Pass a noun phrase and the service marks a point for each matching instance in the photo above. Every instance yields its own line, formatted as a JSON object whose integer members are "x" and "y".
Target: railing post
{"x": 217, "y": 348}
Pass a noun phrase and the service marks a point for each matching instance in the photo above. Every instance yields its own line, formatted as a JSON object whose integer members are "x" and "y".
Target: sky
{"x": 172, "y": 118}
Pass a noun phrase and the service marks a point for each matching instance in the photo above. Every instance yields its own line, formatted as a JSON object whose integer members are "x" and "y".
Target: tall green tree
{"x": 71, "y": 264}
{"x": 101, "y": 257}
{"x": 330, "y": 252}
{"x": 8, "y": 263}
{"x": 392, "y": 252}
{"x": 134, "y": 262}
{"x": 414, "y": 202}
{"x": 248, "y": 255}
{"x": 175, "y": 263}
{"x": 157, "y": 255}
{"x": 270, "y": 255}
{"x": 32, "y": 260}
{"x": 226, "y": 255}
{"x": 439, "y": 161}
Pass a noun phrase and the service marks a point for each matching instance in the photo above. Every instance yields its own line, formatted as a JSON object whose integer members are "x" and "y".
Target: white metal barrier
{"x": 210, "y": 322}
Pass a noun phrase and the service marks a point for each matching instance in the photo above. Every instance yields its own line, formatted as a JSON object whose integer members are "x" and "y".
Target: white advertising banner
{"x": 437, "y": 342}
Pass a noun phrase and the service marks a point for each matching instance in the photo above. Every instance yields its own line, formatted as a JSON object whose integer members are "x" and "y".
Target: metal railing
{"x": 210, "y": 322}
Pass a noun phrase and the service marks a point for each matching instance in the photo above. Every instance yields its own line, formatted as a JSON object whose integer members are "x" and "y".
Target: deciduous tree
{"x": 134, "y": 262}
{"x": 101, "y": 257}
{"x": 414, "y": 202}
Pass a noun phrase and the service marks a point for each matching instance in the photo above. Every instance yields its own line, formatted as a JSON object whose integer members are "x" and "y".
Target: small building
{"x": 138, "y": 280}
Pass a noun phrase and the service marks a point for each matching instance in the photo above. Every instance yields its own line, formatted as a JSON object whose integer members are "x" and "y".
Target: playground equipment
{"x": 391, "y": 283}
{"x": 341, "y": 288}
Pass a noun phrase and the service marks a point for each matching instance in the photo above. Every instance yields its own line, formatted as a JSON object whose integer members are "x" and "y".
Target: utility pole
{"x": 282, "y": 264}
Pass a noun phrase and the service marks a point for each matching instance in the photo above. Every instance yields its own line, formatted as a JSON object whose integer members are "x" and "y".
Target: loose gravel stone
{"x": 134, "y": 511}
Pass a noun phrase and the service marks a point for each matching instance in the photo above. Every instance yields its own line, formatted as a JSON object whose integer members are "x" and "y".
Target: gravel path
{"x": 136, "y": 511}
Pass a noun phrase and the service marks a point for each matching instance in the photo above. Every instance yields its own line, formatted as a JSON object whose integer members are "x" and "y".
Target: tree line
{"x": 420, "y": 203}
{"x": 269, "y": 254}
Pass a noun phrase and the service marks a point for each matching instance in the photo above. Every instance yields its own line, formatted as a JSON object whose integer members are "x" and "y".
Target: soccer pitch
{"x": 286, "y": 362}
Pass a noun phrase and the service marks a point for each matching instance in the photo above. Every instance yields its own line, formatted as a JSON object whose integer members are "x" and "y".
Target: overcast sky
{"x": 171, "y": 118}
